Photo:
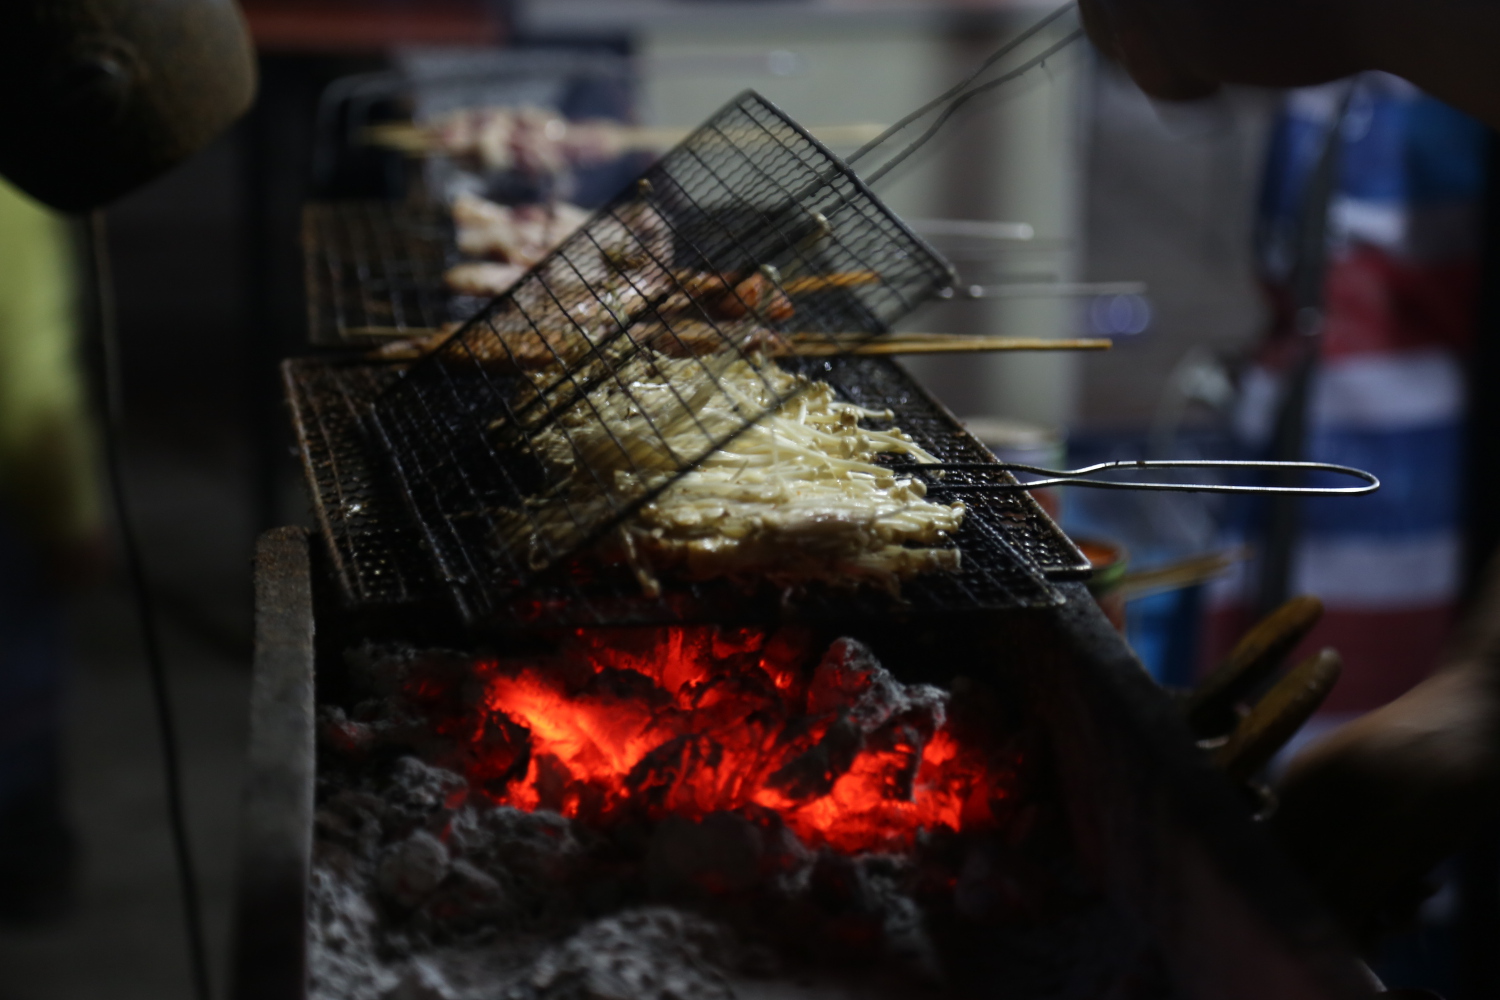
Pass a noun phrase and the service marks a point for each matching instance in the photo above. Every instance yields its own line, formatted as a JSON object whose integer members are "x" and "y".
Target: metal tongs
{"x": 1079, "y": 477}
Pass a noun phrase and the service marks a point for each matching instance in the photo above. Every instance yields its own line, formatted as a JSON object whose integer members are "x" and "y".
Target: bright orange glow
{"x": 691, "y": 721}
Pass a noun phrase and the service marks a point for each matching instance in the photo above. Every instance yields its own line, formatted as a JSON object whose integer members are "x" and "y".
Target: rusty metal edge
{"x": 301, "y": 421}
{"x": 270, "y": 914}
{"x": 1173, "y": 841}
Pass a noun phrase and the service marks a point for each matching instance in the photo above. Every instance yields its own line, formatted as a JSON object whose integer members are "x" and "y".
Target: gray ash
{"x": 425, "y": 887}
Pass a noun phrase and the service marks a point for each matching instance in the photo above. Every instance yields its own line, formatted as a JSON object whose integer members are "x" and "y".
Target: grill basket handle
{"x": 1080, "y": 477}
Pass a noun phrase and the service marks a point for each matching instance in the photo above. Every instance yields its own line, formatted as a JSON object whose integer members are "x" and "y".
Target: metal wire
{"x": 1078, "y": 477}
{"x": 961, "y": 93}
{"x": 958, "y": 102}
{"x": 747, "y": 231}
{"x": 1011, "y": 552}
{"x": 958, "y": 88}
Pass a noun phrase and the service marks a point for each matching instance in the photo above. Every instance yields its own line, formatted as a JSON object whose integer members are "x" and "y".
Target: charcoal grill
{"x": 1014, "y": 556}
{"x": 747, "y": 230}
{"x": 397, "y": 453}
{"x": 1168, "y": 841}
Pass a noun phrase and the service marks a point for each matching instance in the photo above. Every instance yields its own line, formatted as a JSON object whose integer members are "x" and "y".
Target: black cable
{"x": 111, "y": 422}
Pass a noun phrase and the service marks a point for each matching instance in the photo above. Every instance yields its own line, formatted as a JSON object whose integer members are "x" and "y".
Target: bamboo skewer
{"x": 415, "y": 140}
{"x": 814, "y": 345}
{"x": 1184, "y": 573}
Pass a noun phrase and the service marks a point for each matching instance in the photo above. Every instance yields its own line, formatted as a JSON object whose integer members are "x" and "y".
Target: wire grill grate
{"x": 374, "y": 270}
{"x": 635, "y": 349}
{"x": 375, "y": 553}
{"x": 1011, "y": 551}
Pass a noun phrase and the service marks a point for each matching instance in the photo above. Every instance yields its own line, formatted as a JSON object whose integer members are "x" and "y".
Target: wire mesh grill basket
{"x": 1012, "y": 553}
{"x": 641, "y": 346}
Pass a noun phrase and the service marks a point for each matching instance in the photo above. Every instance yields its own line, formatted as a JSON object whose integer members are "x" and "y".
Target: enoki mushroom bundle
{"x": 795, "y": 498}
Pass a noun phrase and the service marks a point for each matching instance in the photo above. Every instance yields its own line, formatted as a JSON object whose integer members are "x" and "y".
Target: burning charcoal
{"x": 646, "y": 954}
{"x": 626, "y": 685}
{"x": 386, "y": 671}
{"x": 531, "y": 803}
{"x": 657, "y": 779}
{"x": 839, "y": 885}
{"x": 342, "y": 932}
{"x": 417, "y": 791}
{"x": 422, "y": 980}
{"x": 351, "y": 819}
{"x": 782, "y": 854}
{"x": 721, "y": 854}
{"x": 899, "y": 747}
{"x": 467, "y": 900}
{"x": 887, "y": 882}
{"x": 849, "y": 677}
{"x": 812, "y": 774}
{"x": 904, "y": 937}
{"x": 411, "y": 870}
{"x": 344, "y": 736}
{"x": 374, "y": 724}
{"x": 534, "y": 856}
{"x": 863, "y": 911}
{"x": 533, "y": 842}
{"x": 498, "y": 754}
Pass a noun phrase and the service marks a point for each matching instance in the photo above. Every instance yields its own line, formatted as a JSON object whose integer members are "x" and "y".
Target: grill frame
{"x": 325, "y": 398}
{"x": 373, "y": 271}
{"x": 509, "y": 407}
{"x": 1164, "y": 837}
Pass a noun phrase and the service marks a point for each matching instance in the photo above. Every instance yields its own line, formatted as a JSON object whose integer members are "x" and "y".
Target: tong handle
{"x": 1079, "y": 477}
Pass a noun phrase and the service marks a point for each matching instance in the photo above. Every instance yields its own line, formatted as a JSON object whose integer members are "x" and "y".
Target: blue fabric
{"x": 1413, "y": 151}
{"x": 1420, "y": 473}
{"x": 1401, "y": 147}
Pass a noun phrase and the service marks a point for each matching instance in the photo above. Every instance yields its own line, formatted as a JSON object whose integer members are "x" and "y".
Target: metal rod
{"x": 979, "y": 229}
{"x": 1050, "y": 289}
{"x": 955, "y": 344}
{"x": 1077, "y": 477}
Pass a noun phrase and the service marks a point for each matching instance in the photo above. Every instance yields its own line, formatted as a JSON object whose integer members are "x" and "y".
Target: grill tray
{"x": 374, "y": 271}
{"x": 1012, "y": 552}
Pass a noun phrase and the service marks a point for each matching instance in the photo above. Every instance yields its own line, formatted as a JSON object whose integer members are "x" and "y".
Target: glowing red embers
{"x": 693, "y": 721}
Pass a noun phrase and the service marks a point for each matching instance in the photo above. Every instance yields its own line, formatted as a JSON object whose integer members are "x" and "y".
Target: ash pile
{"x": 686, "y": 813}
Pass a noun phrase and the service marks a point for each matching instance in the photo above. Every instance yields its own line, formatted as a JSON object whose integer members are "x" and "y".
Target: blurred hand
{"x": 1367, "y": 813}
{"x": 1181, "y": 49}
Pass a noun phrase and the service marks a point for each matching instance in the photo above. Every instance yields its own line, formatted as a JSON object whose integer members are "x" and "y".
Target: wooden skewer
{"x": 1184, "y": 573}
{"x": 822, "y": 282}
{"x": 415, "y": 140}
{"x": 699, "y": 282}
{"x": 815, "y": 346}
